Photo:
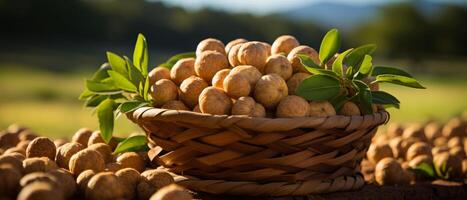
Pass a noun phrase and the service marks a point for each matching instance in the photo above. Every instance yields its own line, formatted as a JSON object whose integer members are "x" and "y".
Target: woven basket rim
{"x": 259, "y": 123}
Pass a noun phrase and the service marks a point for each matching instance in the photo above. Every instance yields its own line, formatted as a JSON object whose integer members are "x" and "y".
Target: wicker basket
{"x": 242, "y": 155}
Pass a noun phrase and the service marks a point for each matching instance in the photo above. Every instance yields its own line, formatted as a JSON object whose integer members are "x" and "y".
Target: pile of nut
{"x": 393, "y": 156}
{"x": 33, "y": 167}
{"x": 242, "y": 78}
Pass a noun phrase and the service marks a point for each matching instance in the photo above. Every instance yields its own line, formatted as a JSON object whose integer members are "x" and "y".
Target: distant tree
{"x": 400, "y": 31}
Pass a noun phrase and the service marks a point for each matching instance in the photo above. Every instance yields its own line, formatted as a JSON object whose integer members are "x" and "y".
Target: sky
{"x": 266, "y": 6}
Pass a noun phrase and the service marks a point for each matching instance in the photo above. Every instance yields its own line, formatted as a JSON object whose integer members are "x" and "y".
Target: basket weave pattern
{"x": 260, "y": 156}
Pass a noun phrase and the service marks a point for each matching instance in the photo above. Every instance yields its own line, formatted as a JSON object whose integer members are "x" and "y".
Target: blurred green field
{"x": 47, "y": 101}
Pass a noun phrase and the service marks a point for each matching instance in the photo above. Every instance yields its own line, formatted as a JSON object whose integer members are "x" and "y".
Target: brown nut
{"x": 209, "y": 63}
{"x": 131, "y": 160}
{"x": 113, "y": 167}
{"x": 66, "y": 180}
{"x": 454, "y": 127}
{"x": 129, "y": 178}
{"x": 104, "y": 186}
{"x": 243, "y": 106}
{"x": 236, "y": 85}
{"x": 26, "y": 135}
{"x": 65, "y": 152}
{"x": 9, "y": 180}
{"x": 457, "y": 151}
{"x": 158, "y": 73}
{"x": 104, "y": 149}
{"x": 210, "y": 44}
{"x": 280, "y": 65}
{"x": 59, "y": 142}
{"x": 249, "y": 72}
{"x": 432, "y": 131}
{"x": 233, "y": 55}
{"x": 394, "y": 130}
{"x": 321, "y": 109}
{"x": 388, "y": 172}
{"x": 259, "y": 111}
{"x": 157, "y": 178}
{"x": 416, "y": 131}
{"x": 41, "y": 147}
{"x": 232, "y": 43}
{"x": 270, "y": 89}
{"x": 214, "y": 101}
{"x": 418, "y": 148}
{"x": 294, "y": 82}
{"x": 455, "y": 142}
{"x": 302, "y": 49}
{"x": 447, "y": 165}
{"x": 8, "y": 140}
{"x": 418, "y": 160}
{"x": 218, "y": 79}
{"x": 190, "y": 89}
{"x": 12, "y": 160}
{"x": 162, "y": 91}
{"x": 284, "y": 44}
{"x": 40, "y": 190}
{"x": 377, "y": 152}
{"x": 175, "y": 105}
{"x": 254, "y": 54}
{"x": 82, "y": 136}
{"x": 349, "y": 109}
{"x": 39, "y": 176}
{"x": 172, "y": 192}
{"x": 182, "y": 69}
{"x": 96, "y": 138}
{"x": 144, "y": 189}
{"x": 292, "y": 106}
{"x": 86, "y": 159}
{"x": 83, "y": 179}
{"x": 15, "y": 150}
{"x": 41, "y": 164}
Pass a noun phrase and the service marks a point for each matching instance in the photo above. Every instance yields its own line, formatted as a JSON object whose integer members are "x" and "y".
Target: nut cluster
{"x": 242, "y": 78}
{"x": 33, "y": 167}
{"x": 403, "y": 153}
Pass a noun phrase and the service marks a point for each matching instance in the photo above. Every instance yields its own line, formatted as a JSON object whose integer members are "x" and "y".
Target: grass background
{"x": 46, "y": 100}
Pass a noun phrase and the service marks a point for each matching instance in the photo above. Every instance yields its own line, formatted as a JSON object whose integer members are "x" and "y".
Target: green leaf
{"x": 131, "y": 143}
{"x": 307, "y": 62}
{"x": 106, "y": 118}
{"x": 379, "y": 70}
{"x": 399, "y": 80}
{"x": 363, "y": 97}
{"x": 349, "y": 73}
{"x": 357, "y": 55}
{"x": 85, "y": 94}
{"x": 101, "y": 73}
{"x": 338, "y": 66}
{"x": 338, "y": 101}
{"x": 117, "y": 63}
{"x": 365, "y": 67}
{"x": 131, "y": 106}
{"x": 121, "y": 82}
{"x": 134, "y": 74}
{"x": 147, "y": 85}
{"x": 425, "y": 169}
{"x": 384, "y": 98}
{"x": 319, "y": 87}
{"x": 313, "y": 68}
{"x": 140, "y": 54}
{"x": 99, "y": 87}
{"x": 95, "y": 100}
{"x": 330, "y": 45}
{"x": 172, "y": 60}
